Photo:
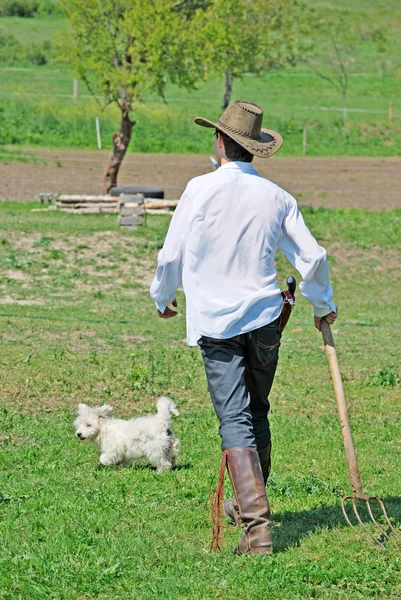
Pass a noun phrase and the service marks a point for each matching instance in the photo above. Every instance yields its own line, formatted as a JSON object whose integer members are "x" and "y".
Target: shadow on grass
{"x": 141, "y": 467}
{"x": 146, "y": 467}
{"x": 289, "y": 528}
{"x": 182, "y": 467}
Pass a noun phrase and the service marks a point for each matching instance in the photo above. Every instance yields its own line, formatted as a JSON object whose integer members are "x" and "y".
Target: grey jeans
{"x": 240, "y": 372}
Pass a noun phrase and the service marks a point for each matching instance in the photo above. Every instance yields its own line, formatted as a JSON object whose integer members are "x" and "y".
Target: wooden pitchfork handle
{"x": 353, "y": 470}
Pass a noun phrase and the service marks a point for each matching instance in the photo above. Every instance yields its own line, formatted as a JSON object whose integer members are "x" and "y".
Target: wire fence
{"x": 391, "y": 115}
{"x": 57, "y": 80}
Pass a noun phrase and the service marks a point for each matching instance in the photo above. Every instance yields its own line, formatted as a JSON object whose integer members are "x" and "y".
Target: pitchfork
{"x": 353, "y": 471}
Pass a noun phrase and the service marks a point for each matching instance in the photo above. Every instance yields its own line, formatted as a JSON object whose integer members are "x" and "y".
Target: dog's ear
{"x": 82, "y": 408}
{"x": 104, "y": 410}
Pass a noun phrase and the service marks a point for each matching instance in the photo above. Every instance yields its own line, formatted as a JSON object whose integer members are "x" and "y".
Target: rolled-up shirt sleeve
{"x": 168, "y": 275}
{"x": 305, "y": 254}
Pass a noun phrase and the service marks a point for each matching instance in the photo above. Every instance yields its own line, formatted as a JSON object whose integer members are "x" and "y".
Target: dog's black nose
{"x": 79, "y": 435}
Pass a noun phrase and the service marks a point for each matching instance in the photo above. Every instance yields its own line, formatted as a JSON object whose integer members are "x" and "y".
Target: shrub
{"x": 49, "y": 7}
{"x": 13, "y": 52}
{"x": 18, "y": 8}
{"x": 29, "y": 8}
{"x": 38, "y": 53}
{"x": 386, "y": 377}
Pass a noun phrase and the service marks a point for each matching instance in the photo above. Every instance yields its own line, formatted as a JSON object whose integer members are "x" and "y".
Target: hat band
{"x": 236, "y": 131}
{"x": 256, "y": 150}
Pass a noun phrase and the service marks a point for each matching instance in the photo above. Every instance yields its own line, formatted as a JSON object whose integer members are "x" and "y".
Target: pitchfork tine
{"x": 379, "y": 527}
{"x": 359, "y": 520}
{"x": 389, "y": 523}
{"x": 353, "y": 470}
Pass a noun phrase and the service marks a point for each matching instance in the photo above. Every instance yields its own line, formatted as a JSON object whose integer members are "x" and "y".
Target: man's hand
{"x": 168, "y": 312}
{"x": 330, "y": 318}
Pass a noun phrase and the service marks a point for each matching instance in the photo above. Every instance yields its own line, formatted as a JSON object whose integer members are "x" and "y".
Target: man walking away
{"x": 221, "y": 246}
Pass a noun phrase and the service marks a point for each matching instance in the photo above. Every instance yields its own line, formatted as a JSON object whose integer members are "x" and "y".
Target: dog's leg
{"x": 108, "y": 460}
{"x": 163, "y": 465}
{"x": 111, "y": 451}
{"x": 160, "y": 460}
{"x": 174, "y": 449}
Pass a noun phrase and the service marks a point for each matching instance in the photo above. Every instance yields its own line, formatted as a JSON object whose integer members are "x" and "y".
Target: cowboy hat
{"x": 242, "y": 121}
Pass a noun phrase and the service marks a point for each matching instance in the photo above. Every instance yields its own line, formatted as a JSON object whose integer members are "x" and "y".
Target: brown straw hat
{"x": 242, "y": 121}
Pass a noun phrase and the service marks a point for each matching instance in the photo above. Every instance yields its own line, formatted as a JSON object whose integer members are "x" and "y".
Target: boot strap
{"x": 216, "y": 507}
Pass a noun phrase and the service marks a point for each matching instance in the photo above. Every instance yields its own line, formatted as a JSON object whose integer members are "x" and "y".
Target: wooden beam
{"x": 156, "y": 204}
{"x": 72, "y": 198}
{"x": 90, "y": 211}
{"x": 87, "y": 205}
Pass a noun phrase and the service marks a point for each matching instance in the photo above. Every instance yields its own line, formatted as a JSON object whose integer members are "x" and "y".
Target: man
{"x": 221, "y": 245}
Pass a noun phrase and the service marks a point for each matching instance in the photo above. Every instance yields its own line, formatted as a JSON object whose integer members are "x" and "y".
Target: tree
{"x": 341, "y": 49}
{"x": 252, "y": 36}
{"x": 125, "y": 49}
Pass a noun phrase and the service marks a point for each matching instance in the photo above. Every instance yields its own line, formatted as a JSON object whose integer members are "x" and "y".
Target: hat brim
{"x": 267, "y": 144}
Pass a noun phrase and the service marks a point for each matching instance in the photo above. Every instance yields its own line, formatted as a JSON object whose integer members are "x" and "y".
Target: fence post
{"x": 304, "y": 140}
{"x": 75, "y": 91}
{"x": 99, "y": 139}
{"x": 390, "y": 112}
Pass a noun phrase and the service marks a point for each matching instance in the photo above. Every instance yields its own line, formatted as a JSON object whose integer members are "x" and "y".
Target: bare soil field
{"x": 369, "y": 183}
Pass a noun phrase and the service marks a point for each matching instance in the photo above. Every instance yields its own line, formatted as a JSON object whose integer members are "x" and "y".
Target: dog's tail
{"x": 165, "y": 406}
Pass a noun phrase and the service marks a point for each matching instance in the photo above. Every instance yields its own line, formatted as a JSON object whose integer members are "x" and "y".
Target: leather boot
{"x": 231, "y": 511}
{"x": 246, "y": 477}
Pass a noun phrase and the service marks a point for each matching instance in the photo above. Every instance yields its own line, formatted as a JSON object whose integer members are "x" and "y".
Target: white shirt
{"x": 221, "y": 245}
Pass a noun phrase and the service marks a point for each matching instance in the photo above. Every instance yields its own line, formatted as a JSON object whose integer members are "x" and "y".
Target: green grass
{"x": 77, "y": 325}
{"x": 28, "y": 30}
{"x": 36, "y": 106}
{"x": 169, "y": 128}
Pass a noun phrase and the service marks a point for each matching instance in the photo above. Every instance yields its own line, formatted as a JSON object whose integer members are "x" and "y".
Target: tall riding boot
{"x": 231, "y": 511}
{"x": 246, "y": 477}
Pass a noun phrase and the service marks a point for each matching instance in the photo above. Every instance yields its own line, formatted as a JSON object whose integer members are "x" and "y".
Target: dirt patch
{"x": 134, "y": 338}
{"x": 87, "y": 263}
{"x": 370, "y": 183}
{"x": 17, "y": 276}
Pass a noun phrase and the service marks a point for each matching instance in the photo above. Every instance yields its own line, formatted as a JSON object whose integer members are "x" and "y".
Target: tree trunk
{"x": 121, "y": 140}
{"x": 344, "y": 107}
{"x": 228, "y": 89}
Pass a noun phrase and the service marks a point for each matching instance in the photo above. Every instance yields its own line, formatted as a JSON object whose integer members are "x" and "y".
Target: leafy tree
{"x": 252, "y": 36}
{"x": 124, "y": 50}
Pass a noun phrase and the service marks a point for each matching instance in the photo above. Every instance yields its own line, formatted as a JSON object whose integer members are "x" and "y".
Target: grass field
{"x": 77, "y": 325}
{"x": 38, "y": 29}
{"x": 36, "y": 105}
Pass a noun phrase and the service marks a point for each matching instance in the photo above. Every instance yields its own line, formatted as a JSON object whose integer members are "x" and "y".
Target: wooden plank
{"x": 158, "y": 211}
{"x": 131, "y": 220}
{"x": 149, "y": 202}
{"x": 90, "y": 211}
{"x": 131, "y": 209}
{"x": 73, "y": 198}
{"x": 129, "y": 198}
{"x": 156, "y": 204}
{"x": 52, "y": 207}
{"x": 87, "y": 205}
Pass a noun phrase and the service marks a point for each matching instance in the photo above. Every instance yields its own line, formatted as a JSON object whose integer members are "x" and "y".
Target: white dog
{"x": 121, "y": 441}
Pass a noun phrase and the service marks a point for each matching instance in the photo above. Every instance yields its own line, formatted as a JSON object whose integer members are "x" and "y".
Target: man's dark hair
{"x": 233, "y": 150}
